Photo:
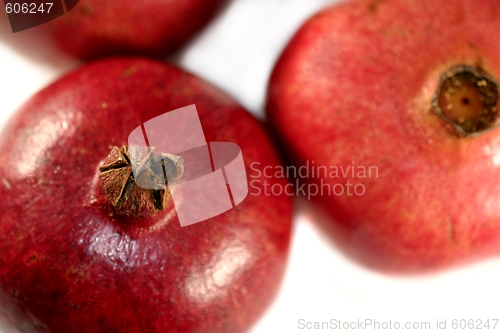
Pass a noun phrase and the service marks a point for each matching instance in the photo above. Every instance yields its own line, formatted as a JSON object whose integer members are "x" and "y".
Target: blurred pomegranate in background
{"x": 71, "y": 262}
{"x": 96, "y": 28}
{"x": 398, "y": 98}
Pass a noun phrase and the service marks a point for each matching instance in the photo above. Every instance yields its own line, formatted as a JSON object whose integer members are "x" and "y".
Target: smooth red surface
{"x": 355, "y": 85}
{"x": 157, "y": 28}
{"x": 68, "y": 264}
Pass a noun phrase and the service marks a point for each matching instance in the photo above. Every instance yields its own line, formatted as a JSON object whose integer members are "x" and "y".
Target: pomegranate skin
{"x": 96, "y": 28}
{"x": 68, "y": 263}
{"x": 354, "y": 88}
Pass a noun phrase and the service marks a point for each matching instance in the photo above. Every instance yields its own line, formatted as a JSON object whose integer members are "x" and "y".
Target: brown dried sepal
{"x": 467, "y": 99}
{"x": 154, "y": 172}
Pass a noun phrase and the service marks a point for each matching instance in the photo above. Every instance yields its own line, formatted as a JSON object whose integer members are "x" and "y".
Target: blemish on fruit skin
{"x": 71, "y": 304}
{"x": 451, "y": 230}
{"x": 104, "y": 105}
{"x": 129, "y": 71}
{"x": 460, "y": 14}
{"x": 31, "y": 259}
{"x": 7, "y": 183}
{"x": 372, "y": 7}
{"x": 81, "y": 151}
{"x": 88, "y": 10}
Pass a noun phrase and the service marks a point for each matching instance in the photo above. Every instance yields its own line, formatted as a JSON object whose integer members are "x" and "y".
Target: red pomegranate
{"x": 156, "y": 28}
{"x": 71, "y": 261}
{"x": 398, "y": 98}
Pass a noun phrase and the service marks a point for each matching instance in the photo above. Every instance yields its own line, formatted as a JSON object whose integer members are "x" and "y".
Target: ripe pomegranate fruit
{"x": 403, "y": 97}
{"x": 71, "y": 261}
{"x": 157, "y": 28}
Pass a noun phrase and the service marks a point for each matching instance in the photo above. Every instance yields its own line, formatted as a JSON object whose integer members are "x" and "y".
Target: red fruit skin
{"x": 68, "y": 264}
{"x": 96, "y": 28}
{"x": 355, "y": 84}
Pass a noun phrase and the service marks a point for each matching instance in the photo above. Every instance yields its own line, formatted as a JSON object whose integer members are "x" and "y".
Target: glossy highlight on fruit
{"x": 409, "y": 88}
{"x": 69, "y": 262}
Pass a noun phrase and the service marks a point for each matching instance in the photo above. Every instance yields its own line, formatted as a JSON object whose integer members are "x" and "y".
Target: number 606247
{"x": 28, "y": 8}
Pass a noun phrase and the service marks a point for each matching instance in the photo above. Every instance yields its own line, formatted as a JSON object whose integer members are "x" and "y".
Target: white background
{"x": 237, "y": 52}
